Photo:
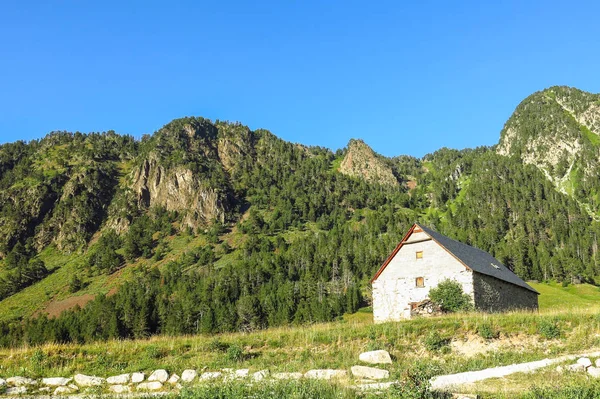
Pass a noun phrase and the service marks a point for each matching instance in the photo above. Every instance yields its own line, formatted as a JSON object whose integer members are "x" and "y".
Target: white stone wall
{"x": 395, "y": 288}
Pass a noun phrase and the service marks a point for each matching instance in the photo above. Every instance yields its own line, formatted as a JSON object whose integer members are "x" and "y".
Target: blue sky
{"x": 406, "y": 78}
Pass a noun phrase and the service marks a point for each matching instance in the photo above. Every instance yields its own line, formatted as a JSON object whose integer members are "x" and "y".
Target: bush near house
{"x": 450, "y": 297}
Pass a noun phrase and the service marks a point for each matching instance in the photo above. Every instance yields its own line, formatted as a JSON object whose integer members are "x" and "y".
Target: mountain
{"x": 557, "y": 130}
{"x": 209, "y": 226}
{"x": 361, "y": 161}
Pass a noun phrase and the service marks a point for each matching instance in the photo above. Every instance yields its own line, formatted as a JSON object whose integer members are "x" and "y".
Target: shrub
{"x": 435, "y": 342}
{"x": 235, "y": 353}
{"x": 487, "y": 331}
{"x": 549, "y": 329}
{"x": 450, "y": 297}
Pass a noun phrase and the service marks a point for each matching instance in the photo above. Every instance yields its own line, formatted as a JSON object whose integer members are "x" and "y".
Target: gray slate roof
{"x": 478, "y": 260}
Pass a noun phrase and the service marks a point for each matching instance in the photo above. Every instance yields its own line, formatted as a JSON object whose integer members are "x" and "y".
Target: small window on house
{"x": 419, "y": 254}
{"x": 420, "y": 282}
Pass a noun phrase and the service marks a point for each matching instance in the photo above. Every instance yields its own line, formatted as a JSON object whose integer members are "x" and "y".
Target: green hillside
{"x": 210, "y": 227}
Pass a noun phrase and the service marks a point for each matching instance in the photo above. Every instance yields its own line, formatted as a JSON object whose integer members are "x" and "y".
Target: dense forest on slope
{"x": 211, "y": 227}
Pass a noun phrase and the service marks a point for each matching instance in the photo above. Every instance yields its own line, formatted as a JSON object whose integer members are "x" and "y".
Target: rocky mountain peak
{"x": 361, "y": 161}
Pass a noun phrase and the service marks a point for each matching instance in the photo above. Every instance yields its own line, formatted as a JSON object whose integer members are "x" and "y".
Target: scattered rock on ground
{"x": 584, "y": 361}
{"x": 62, "y": 390}
{"x": 150, "y": 386}
{"x": 88, "y": 381}
{"x": 211, "y": 375}
{"x": 137, "y": 377}
{"x": 260, "y": 375}
{"x": 159, "y": 375}
{"x": 44, "y": 389}
{"x": 56, "y": 381}
{"x": 174, "y": 379}
{"x": 119, "y": 379}
{"x": 376, "y": 357}
{"x": 594, "y": 371}
{"x": 287, "y": 376}
{"x": 242, "y": 373}
{"x": 188, "y": 375}
{"x": 575, "y": 367}
{"x": 16, "y": 390}
{"x": 119, "y": 388}
{"x": 326, "y": 374}
{"x": 377, "y": 386}
{"x": 370, "y": 373}
{"x": 19, "y": 381}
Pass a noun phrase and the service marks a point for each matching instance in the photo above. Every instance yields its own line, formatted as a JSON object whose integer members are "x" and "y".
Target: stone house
{"x": 425, "y": 257}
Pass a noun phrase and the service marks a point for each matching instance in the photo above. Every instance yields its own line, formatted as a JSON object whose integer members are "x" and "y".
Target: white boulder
{"x": 19, "y": 381}
{"x": 584, "y": 361}
{"x": 150, "y": 386}
{"x": 594, "y": 371}
{"x": 56, "y": 381}
{"x": 260, "y": 375}
{"x": 287, "y": 376}
{"x": 575, "y": 367}
{"x": 174, "y": 379}
{"x": 88, "y": 381}
{"x": 376, "y": 357}
{"x": 188, "y": 375}
{"x": 16, "y": 390}
{"x": 119, "y": 388}
{"x": 211, "y": 375}
{"x": 326, "y": 374}
{"x": 119, "y": 379}
{"x": 241, "y": 373}
{"x": 159, "y": 375}
{"x": 62, "y": 390}
{"x": 137, "y": 377}
{"x": 370, "y": 373}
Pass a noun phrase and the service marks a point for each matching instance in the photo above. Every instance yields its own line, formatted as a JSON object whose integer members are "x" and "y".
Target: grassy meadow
{"x": 568, "y": 322}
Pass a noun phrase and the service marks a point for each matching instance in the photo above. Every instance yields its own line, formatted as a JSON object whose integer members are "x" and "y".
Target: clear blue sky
{"x": 408, "y": 79}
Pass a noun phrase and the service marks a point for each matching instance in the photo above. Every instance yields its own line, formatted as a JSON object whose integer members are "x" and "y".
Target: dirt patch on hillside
{"x": 411, "y": 184}
{"x": 474, "y": 345}
{"x": 54, "y": 309}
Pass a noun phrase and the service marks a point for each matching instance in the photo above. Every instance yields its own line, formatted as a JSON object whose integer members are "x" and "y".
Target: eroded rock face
{"x": 362, "y": 162}
{"x": 375, "y": 357}
{"x": 179, "y": 190}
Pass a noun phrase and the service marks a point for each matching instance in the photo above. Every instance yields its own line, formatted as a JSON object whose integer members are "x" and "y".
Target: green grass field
{"x": 573, "y": 314}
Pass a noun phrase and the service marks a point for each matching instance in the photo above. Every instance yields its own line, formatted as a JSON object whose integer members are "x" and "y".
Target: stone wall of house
{"x": 493, "y": 295}
{"x": 395, "y": 289}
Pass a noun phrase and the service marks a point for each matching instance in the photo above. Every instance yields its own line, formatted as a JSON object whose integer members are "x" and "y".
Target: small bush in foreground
{"x": 549, "y": 329}
{"x": 487, "y": 331}
{"x": 434, "y": 342}
{"x": 450, "y": 297}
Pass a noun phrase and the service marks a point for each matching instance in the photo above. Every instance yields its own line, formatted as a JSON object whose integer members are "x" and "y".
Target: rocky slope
{"x": 362, "y": 162}
{"x": 557, "y": 130}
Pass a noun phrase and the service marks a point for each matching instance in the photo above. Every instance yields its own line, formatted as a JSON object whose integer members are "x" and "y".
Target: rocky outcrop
{"x": 179, "y": 189}
{"x": 362, "y": 162}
